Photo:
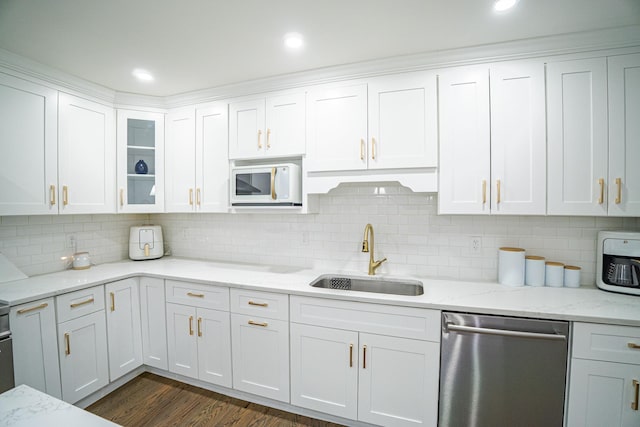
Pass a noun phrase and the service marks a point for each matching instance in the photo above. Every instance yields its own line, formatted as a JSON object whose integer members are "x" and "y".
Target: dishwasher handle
{"x": 505, "y": 333}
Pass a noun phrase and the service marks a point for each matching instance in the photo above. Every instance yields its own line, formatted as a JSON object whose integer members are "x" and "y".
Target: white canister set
{"x": 517, "y": 269}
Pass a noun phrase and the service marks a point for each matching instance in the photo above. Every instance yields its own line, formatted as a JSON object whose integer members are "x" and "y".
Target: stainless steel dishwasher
{"x": 502, "y": 371}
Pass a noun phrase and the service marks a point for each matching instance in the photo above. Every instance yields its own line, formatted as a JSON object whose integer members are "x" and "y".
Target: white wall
{"x": 407, "y": 231}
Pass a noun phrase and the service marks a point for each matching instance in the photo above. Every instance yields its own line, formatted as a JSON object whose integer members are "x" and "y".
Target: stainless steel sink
{"x": 373, "y": 284}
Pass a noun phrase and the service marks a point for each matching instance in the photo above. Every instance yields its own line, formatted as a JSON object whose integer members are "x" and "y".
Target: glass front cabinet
{"x": 140, "y": 161}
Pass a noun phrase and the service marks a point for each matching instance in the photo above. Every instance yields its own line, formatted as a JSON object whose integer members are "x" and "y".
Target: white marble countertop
{"x": 582, "y": 304}
{"x": 24, "y": 406}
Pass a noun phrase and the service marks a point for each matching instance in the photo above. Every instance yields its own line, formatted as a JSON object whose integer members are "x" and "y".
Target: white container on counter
{"x": 511, "y": 266}
{"x": 554, "y": 274}
{"x": 572, "y": 276}
{"x": 534, "y": 270}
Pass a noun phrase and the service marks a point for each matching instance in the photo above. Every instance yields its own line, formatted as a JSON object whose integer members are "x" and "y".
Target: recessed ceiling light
{"x": 142, "y": 75}
{"x": 504, "y": 5}
{"x": 293, "y": 41}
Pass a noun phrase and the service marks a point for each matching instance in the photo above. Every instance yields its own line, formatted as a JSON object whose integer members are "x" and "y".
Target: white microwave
{"x": 266, "y": 185}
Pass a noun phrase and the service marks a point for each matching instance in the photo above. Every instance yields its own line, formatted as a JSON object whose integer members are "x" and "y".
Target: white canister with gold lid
{"x": 511, "y": 266}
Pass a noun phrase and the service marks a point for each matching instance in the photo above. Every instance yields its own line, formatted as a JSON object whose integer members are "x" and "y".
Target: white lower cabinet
{"x": 35, "y": 349}
{"x": 123, "y": 327}
{"x": 153, "y": 323}
{"x": 604, "y": 383}
{"x": 82, "y": 343}
{"x": 342, "y": 368}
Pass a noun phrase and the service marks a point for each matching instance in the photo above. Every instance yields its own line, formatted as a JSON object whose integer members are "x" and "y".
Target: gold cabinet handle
{"x": 373, "y": 148}
{"x": 199, "y": 326}
{"x": 264, "y": 325}
{"x": 351, "y": 355}
{"x": 78, "y": 304}
{"x": 191, "y": 294}
{"x": 273, "y": 184}
{"x": 30, "y": 309}
{"x": 122, "y": 197}
{"x": 362, "y": 149}
{"x": 498, "y": 189}
{"x": 364, "y": 357}
{"x": 113, "y": 301}
{"x": 619, "y": 193}
{"x": 259, "y": 304}
{"x": 259, "y": 139}
{"x": 636, "y": 387}
{"x": 484, "y": 191}
{"x": 65, "y": 195}
{"x": 633, "y": 346}
{"x": 67, "y": 345}
{"x": 52, "y": 194}
{"x": 190, "y": 325}
{"x": 268, "y": 138}
{"x": 198, "y": 199}
{"x": 191, "y": 197}
{"x": 601, "y": 198}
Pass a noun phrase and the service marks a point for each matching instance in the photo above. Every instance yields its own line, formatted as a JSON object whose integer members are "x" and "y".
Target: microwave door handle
{"x": 273, "y": 184}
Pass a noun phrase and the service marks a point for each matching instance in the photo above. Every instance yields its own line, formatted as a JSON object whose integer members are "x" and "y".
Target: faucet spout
{"x": 366, "y": 247}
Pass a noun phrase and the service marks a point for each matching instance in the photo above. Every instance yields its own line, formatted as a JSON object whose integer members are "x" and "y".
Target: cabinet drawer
{"x": 75, "y": 304}
{"x": 407, "y": 322}
{"x": 263, "y": 304}
{"x": 197, "y": 295}
{"x": 606, "y": 342}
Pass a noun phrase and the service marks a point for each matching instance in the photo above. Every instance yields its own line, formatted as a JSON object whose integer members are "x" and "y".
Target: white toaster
{"x": 145, "y": 242}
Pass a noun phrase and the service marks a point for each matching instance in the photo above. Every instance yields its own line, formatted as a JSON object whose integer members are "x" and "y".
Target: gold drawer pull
{"x": 633, "y": 345}
{"x": 601, "y": 198}
{"x": 198, "y": 198}
{"x": 259, "y": 304}
{"x": 351, "y": 355}
{"x": 65, "y": 195}
{"x": 113, "y": 301}
{"x": 199, "y": 326}
{"x": 268, "y": 138}
{"x": 373, "y": 148}
{"x": 619, "y": 193}
{"x": 78, "y": 304}
{"x": 52, "y": 195}
{"x": 191, "y": 196}
{"x": 636, "y": 387}
{"x": 362, "y": 149}
{"x": 498, "y": 185}
{"x": 259, "y": 137}
{"x": 67, "y": 345}
{"x": 190, "y": 325}
{"x": 37, "y": 307}
{"x": 484, "y": 191}
{"x": 264, "y": 325}
{"x": 191, "y": 294}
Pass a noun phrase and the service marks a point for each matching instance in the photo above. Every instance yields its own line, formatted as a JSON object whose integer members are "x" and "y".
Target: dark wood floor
{"x": 151, "y": 400}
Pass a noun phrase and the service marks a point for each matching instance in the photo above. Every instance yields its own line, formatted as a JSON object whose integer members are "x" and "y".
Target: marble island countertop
{"x": 585, "y": 304}
{"x": 24, "y": 406}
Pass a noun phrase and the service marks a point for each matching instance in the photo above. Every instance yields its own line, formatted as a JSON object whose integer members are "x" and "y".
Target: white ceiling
{"x": 196, "y": 44}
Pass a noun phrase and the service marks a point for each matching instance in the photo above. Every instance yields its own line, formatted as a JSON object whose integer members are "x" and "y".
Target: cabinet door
{"x": 212, "y": 162}
{"x": 324, "y": 370}
{"x": 214, "y": 346}
{"x": 86, "y": 156}
{"x": 261, "y": 356}
{"x": 403, "y": 121}
{"x": 601, "y": 394}
{"x": 285, "y": 132}
{"x": 337, "y": 128}
{"x": 624, "y": 135}
{"x": 28, "y": 147}
{"x": 153, "y": 323}
{"x": 123, "y": 327}
{"x": 464, "y": 141}
{"x": 577, "y": 137}
{"x": 180, "y": 150}
{"x": 398, "y": 383}
{"x": 518, "y": 139}
{"x": 35, "y": 346}
{"x": 181, "y": 340}
{"x": 246, "y": 129}
{"x": 140, "y": 161}
{"x": 82, "y": 343}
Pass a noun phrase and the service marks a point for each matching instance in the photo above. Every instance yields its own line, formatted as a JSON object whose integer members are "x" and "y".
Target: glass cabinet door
{"x": 140, "y": 161}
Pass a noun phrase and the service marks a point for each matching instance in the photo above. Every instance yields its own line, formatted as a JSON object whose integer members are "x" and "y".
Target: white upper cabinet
{"x": 389, "y": 123}
{"x": 267, "y": 127}
{"x": 180, "y": 154}
{"x": 28, "y": 148}
{"x": 492, "y": 139}
{"x": 577, "y": 137}
{"x": 464, "y": 141}
{"x": 140, "y": 161}
{"x": 86, "y": 156}
{"x": 624, "y": 135}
